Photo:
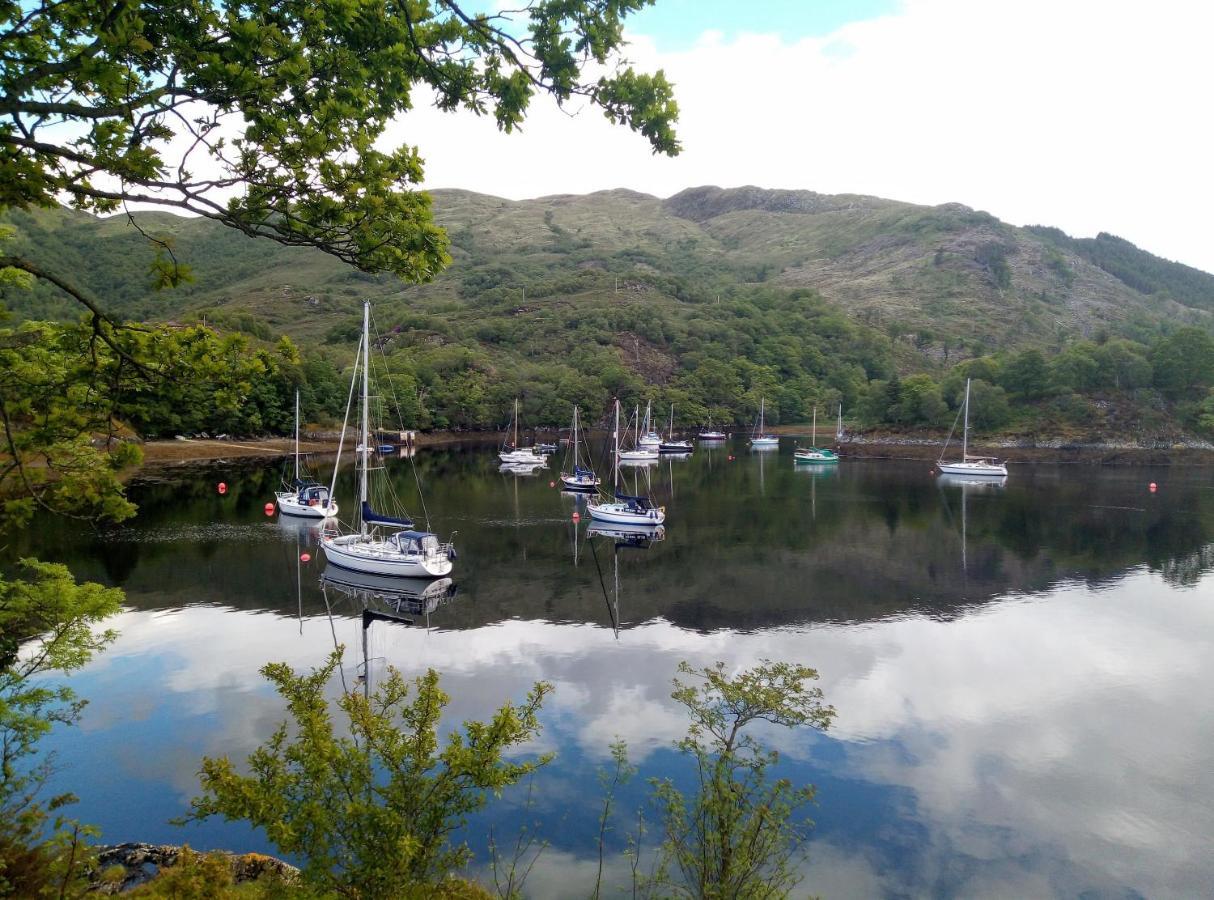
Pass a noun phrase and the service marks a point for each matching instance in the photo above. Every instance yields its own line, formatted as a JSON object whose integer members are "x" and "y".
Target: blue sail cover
{"x": 371, "y": 517}
{"x": 580, "y": 472}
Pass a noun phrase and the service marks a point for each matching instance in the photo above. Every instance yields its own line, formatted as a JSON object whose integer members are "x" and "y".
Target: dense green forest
{"x": 711, "y": 301}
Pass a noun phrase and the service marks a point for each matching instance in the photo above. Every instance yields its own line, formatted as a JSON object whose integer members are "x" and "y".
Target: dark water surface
{"x": 1022, "y": 673}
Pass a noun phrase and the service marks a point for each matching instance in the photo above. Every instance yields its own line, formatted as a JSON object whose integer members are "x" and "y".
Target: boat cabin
{"x": 415, "y": 543}
{"x": 641, "y": 504}
{"x": 312, "y": 494}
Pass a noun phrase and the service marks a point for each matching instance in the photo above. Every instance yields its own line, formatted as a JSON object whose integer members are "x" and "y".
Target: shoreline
{"x": 160, "y": 454}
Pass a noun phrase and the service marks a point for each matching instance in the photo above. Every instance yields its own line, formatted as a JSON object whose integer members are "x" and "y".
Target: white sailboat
{"x": 623, "y": 509}
{"x": 670, "y": 445}
{"x": 983, "y": 466}
{"x": 382, "y": 545}
{"x": 759, "y": 438}
{"x": 513, "y": 454}
{"x": 306, "y": 499}
{"x": 578, "y": 478}
{"x": 650, "y": 439}
{"x": 638, "y": 454}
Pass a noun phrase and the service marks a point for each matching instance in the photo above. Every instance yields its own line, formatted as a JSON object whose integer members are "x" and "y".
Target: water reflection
{"x": 1020, "y": 669}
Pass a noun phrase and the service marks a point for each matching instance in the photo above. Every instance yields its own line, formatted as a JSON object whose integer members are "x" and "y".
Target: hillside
{"x": 815, "y": 295}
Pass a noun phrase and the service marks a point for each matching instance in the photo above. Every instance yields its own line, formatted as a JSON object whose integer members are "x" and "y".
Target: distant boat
{"x": 650, "y": 439}
{"x": 383, "y": 544}
{"x": 985, "y": 466}
{"x": 639, "y": 453}
{"x": 578, "y": 478}
{"x": 670, "y": 445}
{"x": 759, "y": 438}
{"x": 711, "y": 434}
{"x": 305, "y": 498}
{"x": 624, "y": 509}
{"x": 511, "y": 452}
{"x": 814, "y": 454}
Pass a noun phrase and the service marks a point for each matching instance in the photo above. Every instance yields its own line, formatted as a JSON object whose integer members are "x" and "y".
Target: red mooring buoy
{"x": 1153, "y": 487}
{"x": 552, "y": 484}
{"x": 222, "y": 488}
{"x": 305, "y": 557}
{"x": 269, "y": 509}
{"x": 576, "y": 516}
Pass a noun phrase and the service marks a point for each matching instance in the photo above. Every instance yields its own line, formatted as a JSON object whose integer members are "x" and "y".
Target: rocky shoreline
{"x": 141, "y": 862}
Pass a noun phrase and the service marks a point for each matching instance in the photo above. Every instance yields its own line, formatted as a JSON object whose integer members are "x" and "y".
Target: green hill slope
{"x": 712, "y": 297}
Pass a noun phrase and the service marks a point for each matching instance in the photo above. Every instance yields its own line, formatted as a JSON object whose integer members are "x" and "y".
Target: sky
{"x": 1089, "y": 116}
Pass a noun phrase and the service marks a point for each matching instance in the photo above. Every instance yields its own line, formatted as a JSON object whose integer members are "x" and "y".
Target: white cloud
{"x": 1085, "y": 115}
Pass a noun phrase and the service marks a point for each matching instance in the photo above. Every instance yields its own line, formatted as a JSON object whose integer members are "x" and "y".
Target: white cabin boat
{"x": 980, "y": 466}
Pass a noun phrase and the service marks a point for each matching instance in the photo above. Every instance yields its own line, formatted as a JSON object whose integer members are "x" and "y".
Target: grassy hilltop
{"x": 710, "y": 299}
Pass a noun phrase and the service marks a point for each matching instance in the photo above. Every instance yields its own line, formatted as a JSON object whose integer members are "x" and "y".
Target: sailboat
{"x": 650, "y": 440}
{"x": 513, "y": 453}
{"x": 711, "y": 434}
{"x": 579, "y": 478}
{"x": 623, "y": 509}
{"x": 759, "y": 438}
{"x": 306, "y": 499}
{"x": 815, "y": 454}
{"x": 639, "y": 453}
{"x": 383, "y": 544}
{"x": 985, "y": 466}
{"x": 670, "y": 445}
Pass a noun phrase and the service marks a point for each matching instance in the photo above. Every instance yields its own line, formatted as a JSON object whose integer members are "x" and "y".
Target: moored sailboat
{"x": 383, "y": 544}
{"x": 815, "y": 454}
{"x": 305, "y": 498}
{"x": 512, "y": 453}
{"x": 759, "y": 438}
{"x": 624, "y": 509}
{"x": 670, "y": 445}
{"x": 982, "y": 466}
{"x": 579, "y": 477}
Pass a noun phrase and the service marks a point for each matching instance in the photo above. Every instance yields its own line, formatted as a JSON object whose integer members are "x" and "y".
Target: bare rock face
{"x": 141, "y": 862}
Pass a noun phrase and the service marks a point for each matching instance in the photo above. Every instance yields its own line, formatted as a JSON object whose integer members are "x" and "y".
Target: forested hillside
{"x": 711, "y": 300}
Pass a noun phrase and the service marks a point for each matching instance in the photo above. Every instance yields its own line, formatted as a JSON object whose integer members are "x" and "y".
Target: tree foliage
{"x": 744, "y": 830}
{"x": 48, "y": 623}
{"x": 283, "y": 104}
{"x": 371, "y": 811}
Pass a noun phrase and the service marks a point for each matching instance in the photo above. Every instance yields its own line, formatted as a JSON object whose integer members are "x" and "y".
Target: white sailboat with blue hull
{"x": 383, "y": 544}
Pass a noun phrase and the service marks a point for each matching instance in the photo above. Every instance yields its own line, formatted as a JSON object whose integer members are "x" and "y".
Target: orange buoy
{"x": 576, "y": 516}
{"x": 269, "y": 509}
{"x": 552, "y": 484}
{"x": 222, "y": 488}
{"x": 305, "y": 557}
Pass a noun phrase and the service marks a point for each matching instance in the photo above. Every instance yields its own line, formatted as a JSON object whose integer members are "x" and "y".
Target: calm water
{"x": 1022, "y": 673}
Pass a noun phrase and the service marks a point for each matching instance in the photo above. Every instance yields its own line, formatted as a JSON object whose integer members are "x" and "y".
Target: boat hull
{"x": 376, "y": 558}
{"x": 620, "y": 514}
{"x": 810, "y": 459}
{"x": 571, "y": 483}
{"x": 765, "y": 442}
{"x": 637, "y": 455}
{"x": 289, "y": 505}
{"x": 983, "y": 470}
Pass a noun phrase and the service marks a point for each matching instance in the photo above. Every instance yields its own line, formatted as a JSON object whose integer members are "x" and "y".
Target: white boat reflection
{"x": 972, "y": 484}
{"x": 522, "y": 469}
{"x": 416, "y": 596}
{"x": 628, "y": 535}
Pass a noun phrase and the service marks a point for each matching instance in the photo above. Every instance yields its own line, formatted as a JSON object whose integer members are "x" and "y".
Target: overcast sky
{"x": 1091, "y": 116}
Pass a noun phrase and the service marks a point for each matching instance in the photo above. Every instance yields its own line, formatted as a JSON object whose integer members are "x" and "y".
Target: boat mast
{"x": 575, "y": 441}
{"x": 814, "y": 440}
{"x": 366, "y": 441}
{"x": 762, "y": 423}
{"x": 516, "y": 423}
{"x": 297, "y": 436}
{"x": 839, "y": 427}
{"x": 965, "y": 434}
{"x": 670, "y": 433}
{"x": 615, "y": 474}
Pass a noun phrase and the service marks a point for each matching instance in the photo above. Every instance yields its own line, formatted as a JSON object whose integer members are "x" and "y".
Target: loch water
{"x": 1022, "y": 672}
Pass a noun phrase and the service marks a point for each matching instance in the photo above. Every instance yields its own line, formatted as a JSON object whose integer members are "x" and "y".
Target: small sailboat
{"x": 711, "y": 434}
{"x": 639, "y": 453}
{"x": 512, "y": 453}
{"x": 383, "y": 544}
{"x": 623, "y": 509}
{"x": 649, "y": 439}
{"x": 305, "y": 498}
{"x": 982, "y": 466}
{"x": 670, "y": 445}
{"x": 759, "y": 438}
{"x": 815, "y": 454}
{"x": 579, "y": 477}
